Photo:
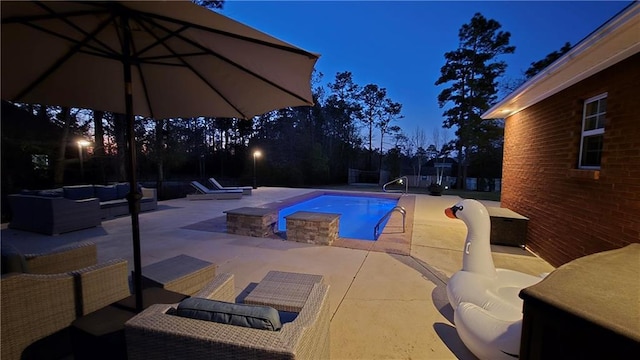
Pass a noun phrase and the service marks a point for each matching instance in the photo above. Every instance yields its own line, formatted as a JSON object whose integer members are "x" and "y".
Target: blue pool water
{"x": 359, "y": 215}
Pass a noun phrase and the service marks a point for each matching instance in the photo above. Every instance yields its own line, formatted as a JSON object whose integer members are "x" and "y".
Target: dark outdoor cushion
{"x": 29, "y": 192}
{"x": 78, "y": 192}
{"x": 51, "y": 193}
{"x": 123, "y": 190}
{"x": 112, "y": 203}
{"x": 106, "y": 192}
{"x": 251, "y": 316}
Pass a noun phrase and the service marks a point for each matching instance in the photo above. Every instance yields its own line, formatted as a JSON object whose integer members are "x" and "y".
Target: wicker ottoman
{"x": 284, "y": 291}
{"x": 507, "y": 227}
{"x": 183, "y": 274}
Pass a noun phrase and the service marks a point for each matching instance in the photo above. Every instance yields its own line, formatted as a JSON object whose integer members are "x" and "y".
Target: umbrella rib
{"x": 29, "y": 21}
{"x": 228, "y": 61}
{"x": 51, "y": 15}
{"x": 257, "y": 76}
{"x": 104, "y": 8}
{"x": 142, "y": 77}
{"x": 159, "y": 40}
{"x": 65, "y": 19}
{"x": 63, "y": 59}
{"x": 188, "y": 66}
{"x": 288, "y": 48}
{"x": 98, "y": 51}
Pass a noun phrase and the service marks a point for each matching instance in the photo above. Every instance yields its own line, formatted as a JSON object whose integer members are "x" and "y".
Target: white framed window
{"x": 593, "y": 118}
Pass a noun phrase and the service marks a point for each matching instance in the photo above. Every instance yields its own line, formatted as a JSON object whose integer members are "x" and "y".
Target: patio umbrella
{"x": 147, "y": 58}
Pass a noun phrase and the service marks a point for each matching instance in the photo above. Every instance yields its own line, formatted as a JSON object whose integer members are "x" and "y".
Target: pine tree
{"x": 210, "y": 4}
{"x": 472, "y": 70}
{"x": 373, "y": 109}
{"x": 539, "y": 65}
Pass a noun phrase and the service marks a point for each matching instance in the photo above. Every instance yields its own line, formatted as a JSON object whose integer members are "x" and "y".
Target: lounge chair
{"x": 155, "y": 334}
{"x": 204, "y": 193}
{"x": 246, "y": 190}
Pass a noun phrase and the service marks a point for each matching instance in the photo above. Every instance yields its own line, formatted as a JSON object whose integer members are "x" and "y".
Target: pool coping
{"x": 392, "y": 240}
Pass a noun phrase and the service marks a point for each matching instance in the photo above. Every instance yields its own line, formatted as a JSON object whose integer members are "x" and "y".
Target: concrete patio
{"x": 383, "y": 305}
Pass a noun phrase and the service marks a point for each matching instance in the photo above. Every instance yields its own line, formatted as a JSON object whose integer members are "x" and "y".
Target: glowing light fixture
{"x": 256, "y": 154}
{"x": 81, "y": 144}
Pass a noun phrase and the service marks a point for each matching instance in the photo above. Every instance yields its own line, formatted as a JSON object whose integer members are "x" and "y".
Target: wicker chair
{"x": 68, "y": 258}
{"x": 37, "y": 305}
{"x": 72, "y": 257}
{"x": 153, "y": 334}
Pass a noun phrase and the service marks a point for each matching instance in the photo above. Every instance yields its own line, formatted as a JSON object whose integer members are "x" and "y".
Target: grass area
{"x": 465, "y": 194}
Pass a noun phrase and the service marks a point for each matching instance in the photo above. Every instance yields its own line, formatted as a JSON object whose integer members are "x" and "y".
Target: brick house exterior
{"x": 575, "y": 210}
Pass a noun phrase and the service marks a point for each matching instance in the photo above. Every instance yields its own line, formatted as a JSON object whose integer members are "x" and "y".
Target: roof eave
{"x": 614, "y": 41}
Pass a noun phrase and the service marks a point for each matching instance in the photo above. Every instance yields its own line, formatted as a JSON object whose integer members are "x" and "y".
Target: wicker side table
{"x": 183, "y": 274}
{"x": 507, "y": 227}
{"x": 284, "y": 291}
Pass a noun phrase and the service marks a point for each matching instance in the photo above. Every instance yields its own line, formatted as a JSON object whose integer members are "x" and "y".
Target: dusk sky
{"x": 400, "y": 45}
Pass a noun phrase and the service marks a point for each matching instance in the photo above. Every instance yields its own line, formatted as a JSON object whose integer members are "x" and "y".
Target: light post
{"x": 256, "y": 154}
{"x": 81, "y": 144}
{"x": 202, "y": 170}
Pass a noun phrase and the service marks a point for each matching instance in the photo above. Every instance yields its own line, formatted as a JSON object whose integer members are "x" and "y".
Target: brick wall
{"x": 571, "y": 213}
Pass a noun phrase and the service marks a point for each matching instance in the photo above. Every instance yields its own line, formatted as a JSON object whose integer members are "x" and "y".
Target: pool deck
{"x": 387, "y": 302}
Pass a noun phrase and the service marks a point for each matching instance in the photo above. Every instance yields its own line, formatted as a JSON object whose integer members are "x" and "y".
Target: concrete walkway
{"x": 383, "y": 306}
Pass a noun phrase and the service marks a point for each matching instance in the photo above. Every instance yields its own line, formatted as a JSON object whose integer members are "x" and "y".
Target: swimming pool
{"x": 359, "y": 214}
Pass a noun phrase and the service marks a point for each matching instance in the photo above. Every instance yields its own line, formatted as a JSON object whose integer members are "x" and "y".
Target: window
{"x": 593, "y": 117}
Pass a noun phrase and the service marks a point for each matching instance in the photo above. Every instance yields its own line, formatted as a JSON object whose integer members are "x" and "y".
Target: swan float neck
{"x": 477, "y": 248}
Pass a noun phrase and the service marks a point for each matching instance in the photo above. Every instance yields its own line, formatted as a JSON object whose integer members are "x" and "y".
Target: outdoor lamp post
{"x": 81, "y": 144}
{"x": 256, "y": 154}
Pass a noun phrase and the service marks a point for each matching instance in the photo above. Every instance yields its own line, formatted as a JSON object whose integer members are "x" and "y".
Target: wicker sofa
{"x": 57, "y": 289}
{"x": 154, "y": 334}
{"x": 71, "y": 208}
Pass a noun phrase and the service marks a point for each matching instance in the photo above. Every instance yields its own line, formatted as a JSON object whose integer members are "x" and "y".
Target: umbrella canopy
{"x": 148, "y": 58}
{"x": 185, "y": 60}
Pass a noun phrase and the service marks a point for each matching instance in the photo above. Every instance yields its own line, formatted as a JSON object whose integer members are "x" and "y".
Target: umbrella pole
{"x": 134, "y": 196}
{"x": 134, "y": 208}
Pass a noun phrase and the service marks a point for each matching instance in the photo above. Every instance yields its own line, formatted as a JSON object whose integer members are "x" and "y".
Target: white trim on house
{"x": 614, "y": 41}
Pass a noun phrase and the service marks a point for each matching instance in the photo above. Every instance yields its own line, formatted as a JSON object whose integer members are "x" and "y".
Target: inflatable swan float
{"x": 488, "y": 311}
